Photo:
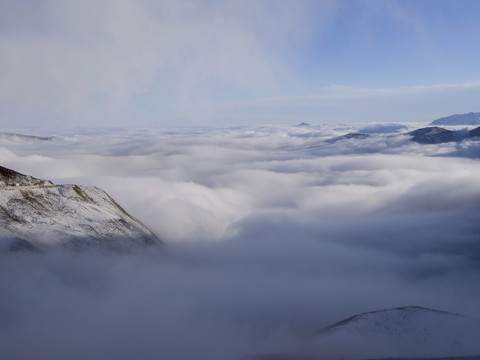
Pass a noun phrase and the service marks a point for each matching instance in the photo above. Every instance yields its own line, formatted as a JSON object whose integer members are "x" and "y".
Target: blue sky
{"x": 220, "y": 63}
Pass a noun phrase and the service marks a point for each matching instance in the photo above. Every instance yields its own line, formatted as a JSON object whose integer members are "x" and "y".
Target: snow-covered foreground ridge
{"x": 411, "y": 332}
{"x": 35, "y": 214}
{"x": 401, "y": 332}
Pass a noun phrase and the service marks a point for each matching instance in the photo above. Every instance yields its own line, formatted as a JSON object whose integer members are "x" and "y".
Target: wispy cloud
{"x": 346, "y": 103}
{"x": 88, "y": 62}
{"x": 346, "y": 92}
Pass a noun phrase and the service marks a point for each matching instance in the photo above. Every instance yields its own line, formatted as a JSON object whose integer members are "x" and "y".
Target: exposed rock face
{"x": 76, "y": 217}
{"x": 459, "y": 119}
{"x": 10, "y": 177}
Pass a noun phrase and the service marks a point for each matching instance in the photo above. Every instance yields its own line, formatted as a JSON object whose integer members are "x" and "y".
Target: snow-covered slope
{"x": 401, "y": 332}
{"x": 459, "y": 119}
{"x": 406, "y": 332}
{"x": 35, "y": 214}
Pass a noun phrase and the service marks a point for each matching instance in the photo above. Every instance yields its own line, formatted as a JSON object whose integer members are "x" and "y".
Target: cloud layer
{"x": 273, "y": 232}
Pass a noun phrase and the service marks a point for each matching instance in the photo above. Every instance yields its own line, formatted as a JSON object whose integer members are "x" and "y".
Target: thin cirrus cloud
{"x": 342, "y": 103}
{"x": 354, "y": 92}
{"x": 344, "y": 92}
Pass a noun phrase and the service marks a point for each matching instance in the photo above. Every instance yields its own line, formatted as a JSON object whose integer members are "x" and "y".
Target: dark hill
{"x": 432, "y": 135}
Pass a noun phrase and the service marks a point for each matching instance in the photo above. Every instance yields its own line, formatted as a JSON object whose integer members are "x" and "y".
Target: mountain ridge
{"x": 439, "y": 135}
{"x": 36, "y": 214}
{"x": 410, "y": 331}
{"x": 9, "y": 177}
{"x": 402, "y": 308}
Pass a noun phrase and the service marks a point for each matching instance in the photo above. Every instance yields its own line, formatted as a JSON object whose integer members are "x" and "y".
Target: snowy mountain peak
{"x": 35, "y": 214}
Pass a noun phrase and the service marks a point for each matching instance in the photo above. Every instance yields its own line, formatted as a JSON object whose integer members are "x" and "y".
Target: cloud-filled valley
{"x": 271, "y": 232}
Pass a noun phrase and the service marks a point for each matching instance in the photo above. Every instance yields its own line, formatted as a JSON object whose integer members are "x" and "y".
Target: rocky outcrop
{"x": 10, "y": 177}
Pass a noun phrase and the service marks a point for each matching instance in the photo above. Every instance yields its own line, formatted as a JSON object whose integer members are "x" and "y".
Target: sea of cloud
{"x": 271, "y": 233}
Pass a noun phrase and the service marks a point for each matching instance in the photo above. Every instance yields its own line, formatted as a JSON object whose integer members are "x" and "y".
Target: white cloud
{"x": 306, "y": 231}
{"x": 88, "y": 62}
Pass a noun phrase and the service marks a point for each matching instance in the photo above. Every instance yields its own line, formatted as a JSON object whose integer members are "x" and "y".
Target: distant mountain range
{"x": 470, "y": 118}
{"x": 36, "y": 215}
{"x": 437, "y": 135}
{"x": 434, "y": 135}
{"x": 14, "y": 136}
{"x": 427, "y": 135}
